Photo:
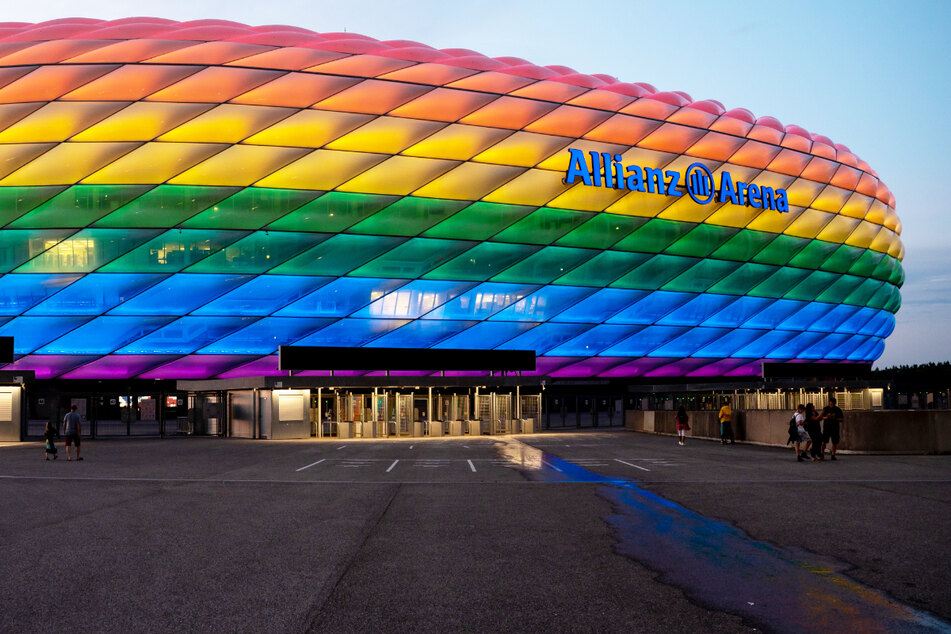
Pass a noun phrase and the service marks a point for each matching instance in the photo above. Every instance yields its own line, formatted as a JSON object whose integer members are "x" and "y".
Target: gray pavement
{"x": 556, "y": 532}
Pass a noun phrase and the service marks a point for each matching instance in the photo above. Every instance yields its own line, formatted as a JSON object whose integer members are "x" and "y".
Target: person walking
{"x": 48, "y": 437}
{"x": 797, "y": 431}
{"x": 832, "y": 418}
{"x": 72, "y": 429}
{"x": 726, "y": 423}
{"x": 814, "y": 429}
{"x": 682, "y": 426}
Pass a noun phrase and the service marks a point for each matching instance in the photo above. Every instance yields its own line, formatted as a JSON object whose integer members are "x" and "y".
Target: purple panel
{"x": 547, "y": 365}
{"x": 327, "y": 373}
{"x": 717, "y": 368}
{"x": 48, "y": 366}
{"x": 589, "y": 367}
{"x": 265, "y": 366}
{"x": 754, "y": 368}
{"x": 637, "y": 368}
{"x": 678, "y": 368}
{"x": 401, "y": 373}
{"x": 198, "y": 366}
{"x": 467, "y": 373}
{"x": 120, "y": 366}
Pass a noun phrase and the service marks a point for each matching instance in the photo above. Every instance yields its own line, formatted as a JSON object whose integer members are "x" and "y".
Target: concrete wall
{"x": 890, "y": 431}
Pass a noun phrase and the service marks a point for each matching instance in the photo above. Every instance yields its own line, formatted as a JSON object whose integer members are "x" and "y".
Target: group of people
{"x": 726, "y": 425}
{"x": 810, "y": 432}
{"x": 72, "y": 430}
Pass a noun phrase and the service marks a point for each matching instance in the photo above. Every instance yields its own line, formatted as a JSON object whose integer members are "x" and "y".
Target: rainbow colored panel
{"x": 178, "y": 199}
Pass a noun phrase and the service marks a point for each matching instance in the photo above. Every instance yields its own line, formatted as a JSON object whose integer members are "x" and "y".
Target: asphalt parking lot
{"x": 595, "y": 531}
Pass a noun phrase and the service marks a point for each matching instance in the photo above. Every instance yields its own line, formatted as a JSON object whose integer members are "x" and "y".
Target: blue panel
{"x": 856, "y": 322}
{"x": 415, "y": 299}
{"x": 844, "y": 345}
{"x": 486, "y": 334}
{"x": 882, "y": 322}
{"x": 179, "y": 294}
{"x": 351, "y": 332}
{"x": 689, "y": 342}
{"x": 644, "y": 342}
{"x": 764, "y": 345}
{"x": 264, "y": 336}
{"x": 545, "y": 337}
{"x": 263, "y": 295}
{"x": 887, "y": 327}
{"x": 341, "y": 297}
{"x": 600, "y": 306}
{"x": 726, "y": 345}
{"x": 421, "y": 334}
{"x": 96, "y": 293}
{"x": 104, "y": 334}
{"x": 738, "y": 312}
{"x": 697, "y": 310}
{"x": 869, "y": 351}
{"x": 19, "y": 292}
{"x": 651, "y": 308}
{"x": 773, "y": 315}
{"x": 795, "y": 346}
{"x": 834, "y": 318}
{"x": 185, "y": 335}
{"x": 594, "y": 341}
{"x": 805, "y": 316}
{"x": 543, "y": 304}
{"x": 29, "y": 333}
{"x": 482, "y": 302}
{"x": 823, "y": 348}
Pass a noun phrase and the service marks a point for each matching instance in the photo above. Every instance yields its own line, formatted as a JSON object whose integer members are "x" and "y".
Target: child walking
{"x": 48, "y": 436}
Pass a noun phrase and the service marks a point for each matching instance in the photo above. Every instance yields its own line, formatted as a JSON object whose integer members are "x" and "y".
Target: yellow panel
{"x": 774, "y": 180}
{"x": 681, "y": 163}
{"x": 524, "y": 149}
{"x": 898, "y": 226}
{"x": 738, "y": 173}
{"x": 457, "y": 141}
{"x": 877, "y": 212}
{"x": 67, "y": 163}
{"x": 309, "y": 128}
{"x": 14, "y": 156}
{"x": 883, "y": 240}
{"x": 154, "y": 163}
{"x": 863, "y": 235}
{"x": 398, "y": 175}
{"x": 389, "y": 135}
{"x": 686, "y": 210}
{"x": 469, "y": 181}
{"x": 839, "y": 229}
{"x": 57, "y": 121}
{"x": 584, "y": 198}
{"x": 639, "y": 204}
{"x": 897, "y": 250}
{"x": 809, "y": 224}
{"x": 802, "y": 192}
{"x": 534, "y": 187}
{"x": 766, "y": 220}
{"x": 239, "y": 166}
{"x": 892, "y": 221}
{"x": 321, "y": 169}
{"x": 559, "y": 161}
{"x": 227, "y": 123}
{"x": 831, "y": 199}
{"x": 856, "y": 206}
{"x": 142, "y": 121}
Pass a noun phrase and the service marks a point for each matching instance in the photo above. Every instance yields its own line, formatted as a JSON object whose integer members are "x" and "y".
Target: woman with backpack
{"x": 682, "y": 426}
{"x": 797, "y": 431}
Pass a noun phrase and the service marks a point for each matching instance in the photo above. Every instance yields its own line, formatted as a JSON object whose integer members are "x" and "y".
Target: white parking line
{"x": 311, "y": 464}
{"x": 631, "y": 465}
{"x": 341, "y": 447}
{"x": 548, "y": 464}
{"x": 392, "y": 465}
{"x": 471, "y": 466}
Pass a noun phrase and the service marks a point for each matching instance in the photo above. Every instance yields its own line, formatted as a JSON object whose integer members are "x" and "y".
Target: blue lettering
{"x": 654, "y": 177}
{"x": 753, "y": 194}
{"x": 595, "y": 168}
{"x": 672, "y": 184}
{"x": 618, "y": 172}
{"x": 769, "y": 198}
{"x": 606, "y": 162}
{"x": 726, "y": 189}
{"x": 635, "y": 179}
{"x": 741, "y": 192}
{"x": 782, "y": 204}
{"x": 577, "y": 166}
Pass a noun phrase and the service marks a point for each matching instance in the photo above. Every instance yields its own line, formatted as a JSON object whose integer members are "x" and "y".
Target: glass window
{"x": 482, "y": 302}
{"x": 544, "y": 226}
{"x": 266, "y": 335}
{"x": 880, "y": 325}
{"x": 79, "y": 206}
{"x": 29, "y": 333}
{"x": 263, "y": 295}
{"x": 179, "y": 294}
{"x": 414, "y": 299}
{"x": 96, "y": 293}
{"x": 20, "y": 292}
{"x": 602, "y": 231}
{"x": 173, "y": 251}
{"x": 351, "y": 332}
{"x": 185, "y": 335}
{"x": 413, "y": 258}
{"x": 19, "y": 246}
{"x": 408, "y": 216}
{"x": 339, "y": 298}
{"x": 479, "y": 221}
{"x": 338, "y": 256}
{"x": 600, "y": 306}
{"x": 825, "y": 348}
{"x": 546, "y": 265}
{"x": 332, "y": 212}
{"x": 422, "y": 333}
{"x": 16, "y": 201}
{"x": 594, "y": 341}
{"x": 655, "y": 236}
{"x": 482, "y": 261}
{"x": 486, "y": 334}
{"x": 543, "y": 304}
{"x": 87, "y": 250}
{"x": 651, "y": 308}
{"x": 603, "y": 268}
{"x": 102, "y": 335}
{"x": 258, "y": 252}
{"x": 166, "y": 206}
{"x": 251, "y": 208}
{"x": 544, "y": 337}
{"x": 857, "y": 322}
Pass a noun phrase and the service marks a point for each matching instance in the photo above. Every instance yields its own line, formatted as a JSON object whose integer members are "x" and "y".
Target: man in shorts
{"x": 832, "y": 417}
{"x": 72, "y": 428}
{"x": 726, "y": 423}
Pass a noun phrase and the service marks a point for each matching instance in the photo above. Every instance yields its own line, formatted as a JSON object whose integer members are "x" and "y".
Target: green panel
{"x": 546, "y": 265}
{"x": 655, "y": 236}
{"x": 780, "y": 250}
{"x": 166, "y": 206}
{"x": 16, "y": 201}
{"x": 87, "y": 250}
{"x": 780, "y": 282}
{"x": 866, "y": 263}
{"x": 338, "y": 255}
{"x": 602, "y": 231}
{"x": 702, "y": 241}
{"x": 861, "y": 295}
{"x": 479, "y": 221}
{"x": 251, "y": 208}
{"x": 701, "y": 276}
{"x": 742, "y": 280}
{"x": 840, "y": 289}
{"x": 814, "y": 254}
{"x": 809, "y": 288}
{"x": 843, "y": 259}
{"x": 881, "y": 297}
{"x": 544, "y": 226}
{"x": 656, "y": 272}
{"x": 409, "y": 216}
{"x": 744, "y": 245}
{"x": 898, "y": 275}
{"x": 17, "y": 247}
{"x": 79, "y": 206}
{"x": 885, "y": 268}
{"x": 482, "y": 261}
{"x": 172, "y": 251}
{"x": 603, "y": 269}
{"x": 894, "y": 300}
{"x": 332, "y": 212}
{"x": 414, "y": 258}
{"x": 258, "y": 252}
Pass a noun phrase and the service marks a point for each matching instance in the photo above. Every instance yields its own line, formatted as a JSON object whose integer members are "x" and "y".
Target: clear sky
{"x": 873, "y": 75}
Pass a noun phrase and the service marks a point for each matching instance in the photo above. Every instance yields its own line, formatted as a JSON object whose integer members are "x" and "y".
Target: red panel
{"x": 671, "y": 138}
{"x": 129, "y": 51}
{"x": 755, "y": 154}
{"x": 131, "y": 83}
{"x": 361, "y": 66}
{"x": 602, "y": 99}
{"x": 491, "y": 82}
{"x": 716, "y": 146}
{"x": 509, "y": 112}
{"x": 50, "y": 52}
{"x": 210, "y": 53}
{"x": 767, "y": 134}
{"x": 373, "y": 97}
{"x": 289, "y": 58}
{"x": 652, "y": 108}
{"x": 789, "y": 162}
{"x": 819, "y": 169}
{"x": 548, "y": 91}
{"x": 824, "y": 150}
{"x": 693, "y": 117}
{"x": 475, "y": 62}
{"x": 296, "y": 90}
{"x": 868, "y": 185}
{"x": 443, "y": 104}
{"x": 433, "y": 74}
{"x": 215, "y": 85}
{"x": 846, "y": 177}
{"x": 731, "y": 125}
{"x": 623, "y": 129}
{"x": 568, "y": 121}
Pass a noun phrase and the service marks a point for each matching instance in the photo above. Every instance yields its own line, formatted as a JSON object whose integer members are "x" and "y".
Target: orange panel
{"x": 509, "y": 112}
{"x": 49, "y": 82}
{"x": 823, "y": 150}
{"x": 715, "y": 146}
{"x": 819, "y": 170}
{"x": 490, "y": 81}
{"x": 14, "y": 156}
{"x": 796, "y": 142}
{"x": 549, "y": 91}
{"x": 443, "y": 104}
{"x": 288, "y": 58}
{"x": 568, "y": 121}
{"x": 10, "y": 113}
{"x": 847, "y": 177}
{"x": 8, "y": 75}
{"x": 372, "y": 97}
{"x": 650, "y": 108}
{"x": 755, "y": 154}
{"x": 429, "y": 73}
{"x": 789, "y": 162}
{"x": 868, "y": 185}
{"x": 602, "y": 100}
{"x": 50, "y": 52}
{"x": 766, "y": 134}
{"x": 730, "y": 125}
{"x": 131, "y": 82}
{"x": 623, "y": 129}
{"x": 692, "y": 116}
{"x": 215, "y": 84}
{"x": 361, "y": 66}
{"x": 210, "y": 53}
{"x": 671, "y": 137}
{"x": 129, "y": 51}
{"x": 296, "y": 90}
